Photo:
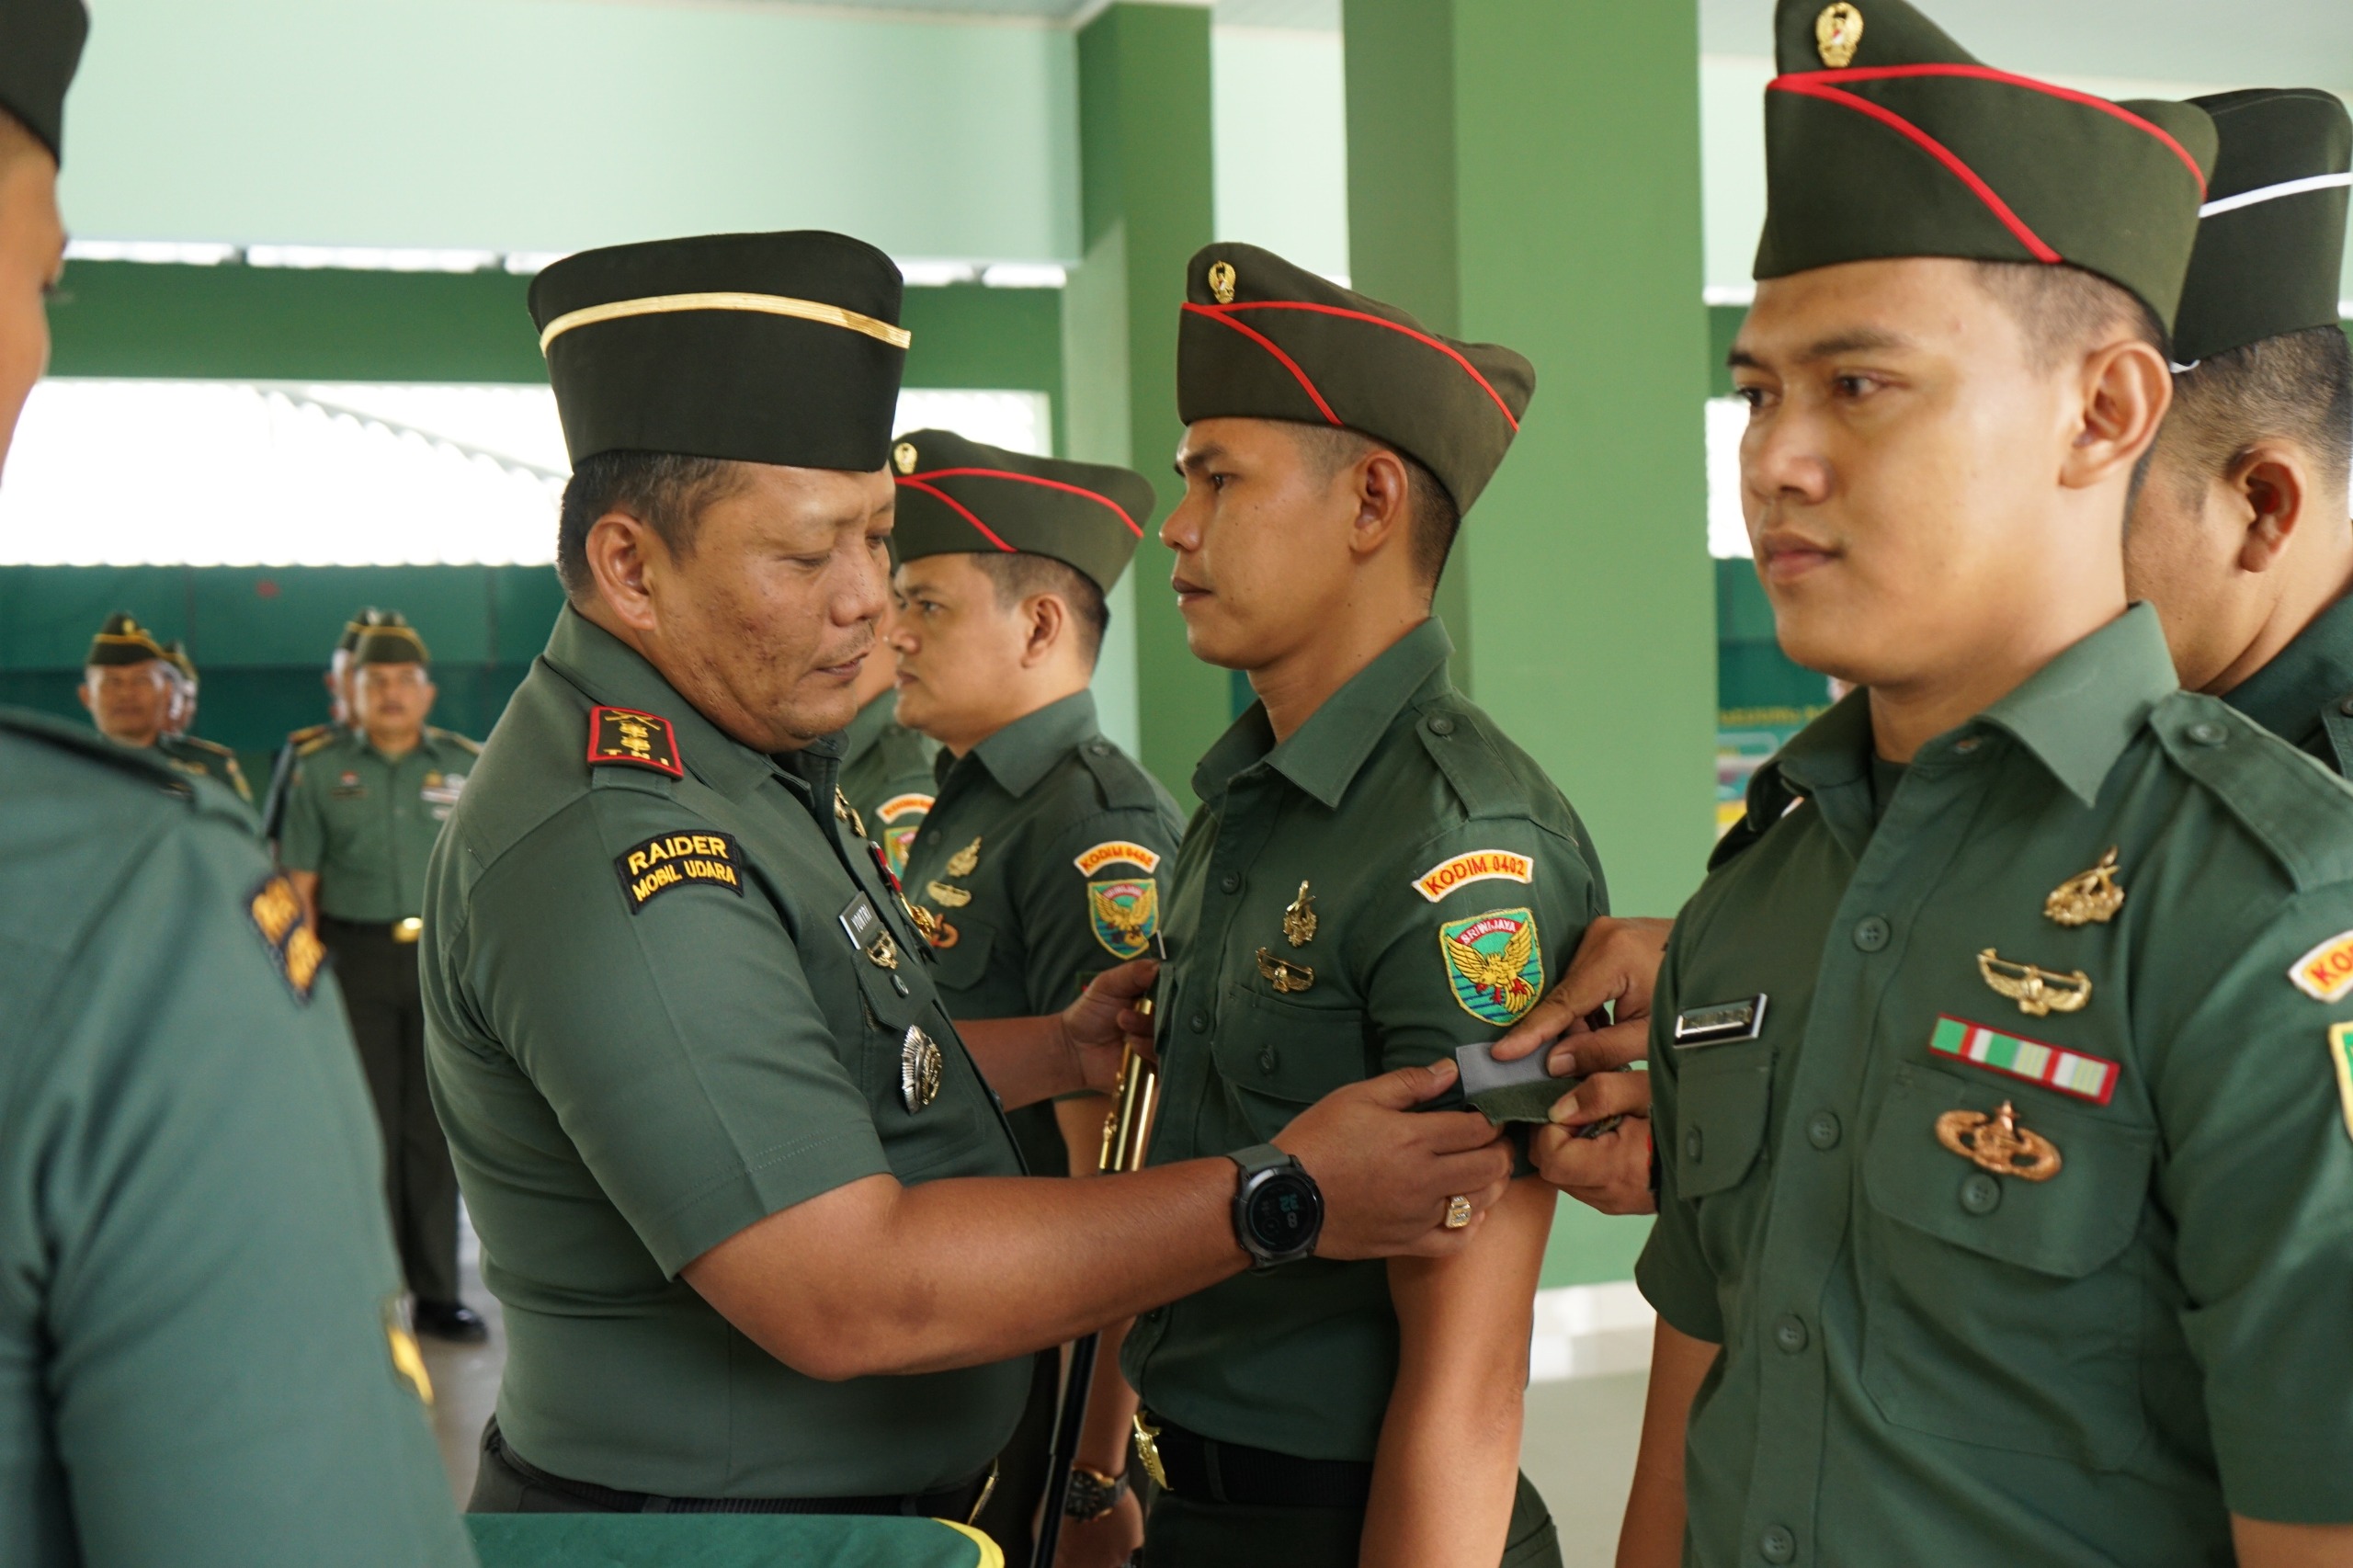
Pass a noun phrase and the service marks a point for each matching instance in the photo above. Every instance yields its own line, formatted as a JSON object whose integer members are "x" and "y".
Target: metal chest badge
{"x": 2038, "y": 992}
{"x": 1283, "y": 975}
{"x": 2088, "y": 898}
{"x": 1998, "y": 1143}
{"x": 1494, "y": 962}
{"x": 919, "y": 1068}
{"x": 1125, "y": 913}
{"x": 965, "y": 861}
{"x": 1299, "y": 919}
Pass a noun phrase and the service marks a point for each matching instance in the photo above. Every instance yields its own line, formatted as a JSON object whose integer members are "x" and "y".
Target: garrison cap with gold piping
{"x": 41, "y": 45}
{"x": 122, "y": 641}
{"x": 1884, "y": 138}
{"x": 2271, "y": 236}
{"x": 390, "y": 645}
{"x": 1260, "y": 338}
{"x": 960, "y": 496}
{"x": 176, "y": 654}
{"x": 771, "y": 348}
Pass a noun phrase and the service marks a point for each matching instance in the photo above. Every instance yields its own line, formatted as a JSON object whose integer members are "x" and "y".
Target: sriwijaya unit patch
{"x": 1494, "y": 962}
{"x": 1125, "y": 914}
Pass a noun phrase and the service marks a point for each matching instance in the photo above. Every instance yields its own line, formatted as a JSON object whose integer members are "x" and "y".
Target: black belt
{"x": 1204, "y": 1470}
{"x": 962, "y": 1501}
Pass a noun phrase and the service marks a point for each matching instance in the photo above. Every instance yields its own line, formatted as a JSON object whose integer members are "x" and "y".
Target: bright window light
{"x": 1727, "y": 530}
{"x": 117, "y": 473}
{"x": 1025, "y": 275}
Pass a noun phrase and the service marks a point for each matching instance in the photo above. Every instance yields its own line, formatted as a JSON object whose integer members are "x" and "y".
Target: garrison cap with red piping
{"x": 41, "y": 46}
{"x": 2271, "y": 236}
{"x": 1260, "y": 338}
{"x": 958, "y": 497}
{"x": 1884, "y": 138}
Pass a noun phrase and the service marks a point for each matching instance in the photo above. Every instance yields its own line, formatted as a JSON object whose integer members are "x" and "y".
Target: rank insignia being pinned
{"x": 2325, "y": 973}
{"x": 671, "y": 860}
{"x": 965, "y": 861}
{"x": 1299, "y": 919}
{"x": 2038, "y": 992}
{"x": 2088, "y": 898}
{"x": 1283, "y": 975}
{"x": 2072, "y": 1072}
{"x": 624, "y": 735}
{"x": 1495, "y": 964}
{"x": 2340, "y": 1056}
{"x": 295, "y": 951}
{"x": 919, "y": 1070}
{"x": 1125, "y": 914}
{"x": 1998, "y": 1143}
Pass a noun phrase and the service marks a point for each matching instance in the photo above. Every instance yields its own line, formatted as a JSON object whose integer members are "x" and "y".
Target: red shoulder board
{"x": 624, "y": 735}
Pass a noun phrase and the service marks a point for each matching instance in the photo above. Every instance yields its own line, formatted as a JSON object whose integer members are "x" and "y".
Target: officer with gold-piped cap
{"x": 737, "y": 1175}
{"x": 1039, "y": 866}
{"x": 202, "y": 1353}
{"x": 2003, "y": 1111}
{"x": 193, "y": 752}
{"x": 337, "y": 679}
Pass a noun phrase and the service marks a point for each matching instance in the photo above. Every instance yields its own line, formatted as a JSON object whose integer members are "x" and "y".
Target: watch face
{"x": 1283, "y": 1212}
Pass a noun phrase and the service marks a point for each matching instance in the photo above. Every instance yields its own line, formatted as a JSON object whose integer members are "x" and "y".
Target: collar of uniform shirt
{"x": 2310, "y": 676}
{"x": 2076, "y": 714}
{"x": 1322, "y": 755}
{"x": 612, "y": 672}
{"x": 1026, "y": 750}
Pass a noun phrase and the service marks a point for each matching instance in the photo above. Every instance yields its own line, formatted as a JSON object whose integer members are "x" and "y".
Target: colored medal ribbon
{"x": 2072, "y": 1072}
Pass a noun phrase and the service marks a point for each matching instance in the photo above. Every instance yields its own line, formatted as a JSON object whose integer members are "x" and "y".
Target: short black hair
{"x": 1022, "y": 574}
{"x": 1432, "y": 517}
{"x": 2296, "y": 387}
{"x": 2065, "y": 310}
{"x": 665, "y": 491}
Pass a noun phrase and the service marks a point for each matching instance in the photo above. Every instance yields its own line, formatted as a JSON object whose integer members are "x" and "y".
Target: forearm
{"x": 2263, "y": 1544}
{"x": 1652, "y": 1536}
{"x": 1111, "y": 1406}
{"x": 1025, "y": 1060}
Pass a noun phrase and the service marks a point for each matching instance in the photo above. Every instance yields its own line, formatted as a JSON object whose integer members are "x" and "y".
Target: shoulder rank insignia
{"x": 624, "y": 735}
{"x": 2340, "y": 1056}
{"x": 1282, "y": 974}
{"x": 919, "y": 1070}
{"x": 1495, "y": 964}
{"x": 2325, "y": 973}
{"x": 1998, "y": 1143}
{"x": 2072, "y": 1072}
{"x": 295, "y": 951}
{"x": 2038, "y": 992}
{"x": 965, "y": 861}
{"x": 1125, "y": 913}
{"x": 674, "y": 860}
{"x": 2088, "y": 898}
{"x": 1476, "y": 867}
{"x": 1299, "y": 919}
{"x": 1114, "y": 852}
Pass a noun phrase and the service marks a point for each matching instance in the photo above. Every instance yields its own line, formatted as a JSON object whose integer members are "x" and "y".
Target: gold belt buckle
{"x": 1148, "y": 1450}
{"x": 408, "y": 930}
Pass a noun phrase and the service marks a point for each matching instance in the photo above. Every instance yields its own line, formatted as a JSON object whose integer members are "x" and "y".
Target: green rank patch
{"x": 1125, "y": 913}
{"x": 2340, "y": 1053}
{"x": 1495, "y": 964}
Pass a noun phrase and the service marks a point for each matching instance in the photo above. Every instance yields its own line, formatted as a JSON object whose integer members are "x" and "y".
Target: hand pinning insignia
{"x": 1299, "y": 919}
{"x": 965, "y": 861}
{"x": 1284, "y": 976}
{"x": 626, "y": 735}
{"x": 2038, "y": 992}
{"x": 2088, "y": 898}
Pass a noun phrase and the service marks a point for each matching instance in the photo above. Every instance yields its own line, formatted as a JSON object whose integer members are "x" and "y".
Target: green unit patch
{"x": 896, "y": 844}
{"x": 1125, "y": 914}
{"x": 2340, "y": 1056}
{"x": 1494, "y": 962}
{"x": 675, "y": 859}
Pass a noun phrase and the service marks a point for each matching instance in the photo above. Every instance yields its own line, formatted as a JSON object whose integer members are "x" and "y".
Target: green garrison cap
{"x": 958, "y": 496}
{"x": 41, "y": 45}
{"x": 122, "y": 641}
{"x": 176, "y": 654}
{"x": 1260, "y": 338}
{"x": 1884, "y": 138}
{"x": 390, "y": 645}
{"x": 2271, "y": 236}
{"x": 354, "y": 628}
{"x": 770, "y": 349}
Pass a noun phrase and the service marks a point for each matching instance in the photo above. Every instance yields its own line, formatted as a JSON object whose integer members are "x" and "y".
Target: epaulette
{"x": 146, "y": 765}
{"x": 471, "y": 747}
{"x": 213, "y": 748}
{"x": 626, "y": 737}
{"x": 1125, "y": 785}
{"x": 314, "y": 739}
{"x": 1769, "y": 800}
{"x": 2289, "y": 800}
{"x": 1476, "y": 760}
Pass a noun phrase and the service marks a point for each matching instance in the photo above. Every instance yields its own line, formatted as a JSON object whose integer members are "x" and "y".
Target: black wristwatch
{"x": 1092, "y": 1493}
{"x": 1278, "y": 1208}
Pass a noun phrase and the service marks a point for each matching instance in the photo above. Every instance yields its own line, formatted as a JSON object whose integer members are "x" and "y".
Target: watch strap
{"x": 1259, "y": 1158}
{"x": 1092, "y": 1493}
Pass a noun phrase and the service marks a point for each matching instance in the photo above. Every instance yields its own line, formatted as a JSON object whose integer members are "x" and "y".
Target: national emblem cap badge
{"x": 1221, "y": 281}
{"x": 2088, "y": 898}
{"x": 920, "y": 1064}
{"x": 903, "y": 457}
{"x": 1494, "y": 962}
{"x": 1838, "y": 33}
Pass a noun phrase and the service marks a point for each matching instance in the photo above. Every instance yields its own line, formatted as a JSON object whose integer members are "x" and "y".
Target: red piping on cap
{"x": 960, "y": 510}
{"x": 1468, "y": 369}
{"x": 1030, "y": 479}
{"x": 1987, "y": 74}
{"x": 1806, "y": 87}
{"x": 1217, "y": 313}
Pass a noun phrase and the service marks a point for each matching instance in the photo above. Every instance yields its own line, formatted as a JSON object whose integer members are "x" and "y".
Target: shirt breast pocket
{"x": 963, "y": 964}
{"x": 1723, "y": 1096}
{"x": 1999, "y": 1311}
{"x": 1277, "y": 1058}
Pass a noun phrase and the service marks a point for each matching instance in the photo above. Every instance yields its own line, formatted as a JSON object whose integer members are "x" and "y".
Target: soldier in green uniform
{"x": 1038, "y": 868}
{"x": 738, "y": 1177}
{"x": 193, "y": 752}
{"x": 1377, "y": 876}
{"x": 886, "y": 767}
{"x": 337, "y": 680}
{"x": 132, "y": 688}
{"x": 361, "y": 821}
{"x": 2003, "y": 1064}
{"x": 180, "y": 1123}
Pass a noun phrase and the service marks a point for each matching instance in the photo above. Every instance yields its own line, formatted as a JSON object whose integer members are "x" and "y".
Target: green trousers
{"x": 1184, "y": 1532}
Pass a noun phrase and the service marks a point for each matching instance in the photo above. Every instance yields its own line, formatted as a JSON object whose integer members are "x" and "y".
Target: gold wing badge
{"x": 952, "y": 897}
{"x": 2037, "y": 991}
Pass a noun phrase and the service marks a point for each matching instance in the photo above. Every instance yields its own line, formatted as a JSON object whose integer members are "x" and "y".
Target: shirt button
{"x": 1821, "y": 1130}
{"x": 1790, "y": 1335}
{"x": 1441, "y": 726}
{"x": 1199, "y": 1023}
{"x": 1267, "y": 1059}
{"x": 1981, "y": 1194}
{"x": 1230, "y": 881}
{"x": 1870, "y": 933}
{"x": 1692, "y": 1144}
{"x": 1776, "y": 1544}
{"x": 2207, "y": 733}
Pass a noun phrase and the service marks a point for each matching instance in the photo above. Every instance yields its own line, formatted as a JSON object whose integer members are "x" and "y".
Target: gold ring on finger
{"x": 1457, "y": 1212}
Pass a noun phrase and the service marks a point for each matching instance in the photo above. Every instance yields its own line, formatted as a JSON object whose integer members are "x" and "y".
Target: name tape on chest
{"x": 1476, "y": 866}
{"x": 679, "y": 859}
{"x": 2325, "y": 974}
{"x": 897, "y": 806}
{"x": 1719, "y": 1023}
{"x": 2075, "y": 1073}
{"x": 617, "y": 735}
{"x": 1116, "y": 852}
{"x": 295, "y": 951}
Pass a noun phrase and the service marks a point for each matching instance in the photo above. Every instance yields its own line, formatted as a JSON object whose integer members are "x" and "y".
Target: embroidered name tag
{"x": 1117, "y": 851}
{"x": 674, "y": 861}
{"x": 294, "y": 948}
{"x": 2072, "y": 1072}
{"x": 1477, "y": 865}
{"x": 1719, "y": 1023}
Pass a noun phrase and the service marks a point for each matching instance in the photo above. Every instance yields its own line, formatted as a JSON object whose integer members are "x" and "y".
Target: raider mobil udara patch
{"x": 1495, "y": 964}
{"x": 295, "y": 951}
{"x": 679, "y": 859}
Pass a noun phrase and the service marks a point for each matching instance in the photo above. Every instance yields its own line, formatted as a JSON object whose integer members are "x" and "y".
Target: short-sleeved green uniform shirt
{"x": 1434, "y": 878}
{"x": 1040, "y": 865}
{"x": 365, "y": 823}
{"x": 660, "y": 1009}
{"x": 2304, "y": 694}
{"x": 887, "y": 777}
{"x": 206, "y": 759}
{"x": 1926, "y": 1360}
{"x": 198, "y": 1303}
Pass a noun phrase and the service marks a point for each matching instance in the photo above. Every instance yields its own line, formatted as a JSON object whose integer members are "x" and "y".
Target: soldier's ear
{"x": 1047, "y": 623}
{"x": 618, "y": 550}
{"x": 1384, "y": 492}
